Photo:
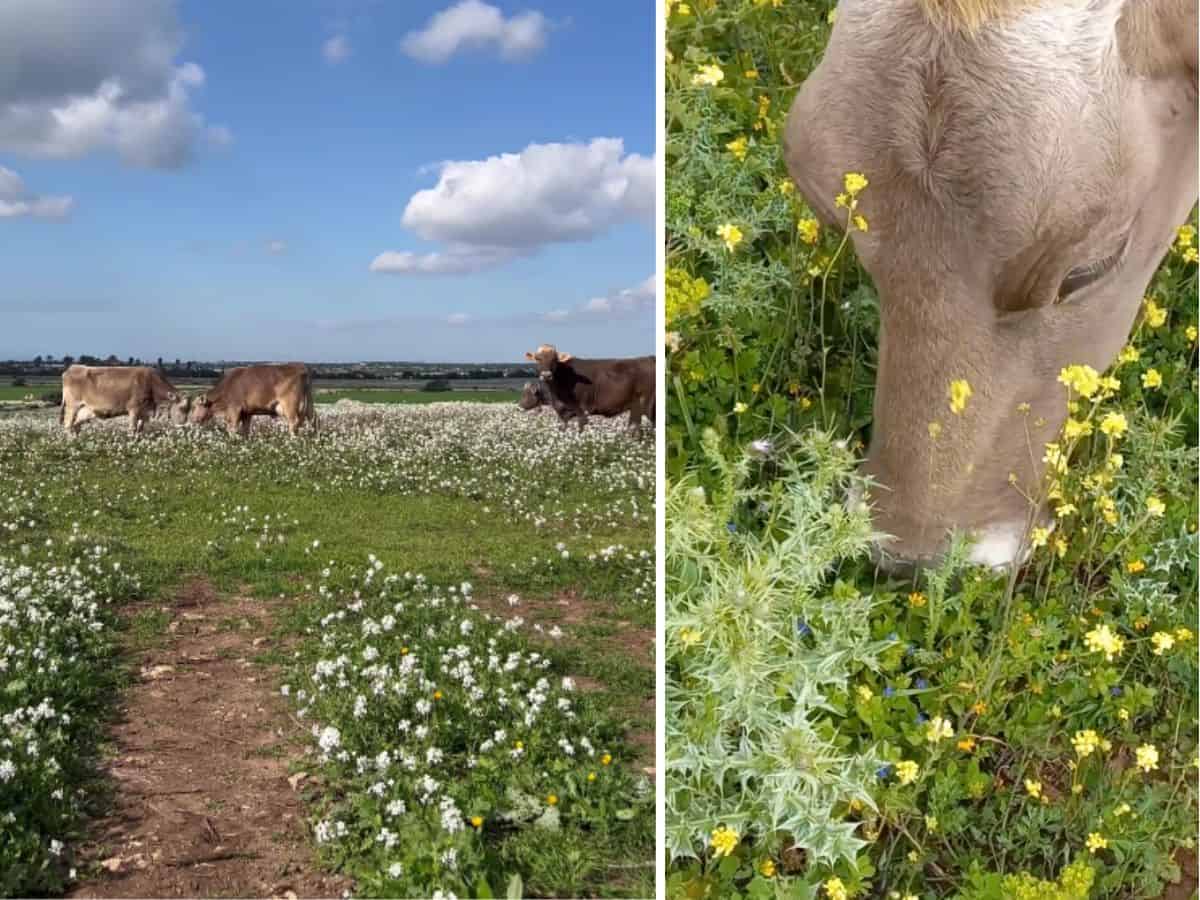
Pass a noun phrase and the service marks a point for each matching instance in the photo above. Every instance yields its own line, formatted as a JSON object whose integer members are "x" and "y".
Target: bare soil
{"x": 203, "y": 805}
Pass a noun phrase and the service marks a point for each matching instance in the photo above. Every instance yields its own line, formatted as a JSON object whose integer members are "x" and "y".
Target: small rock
{"x": 294, "y": 780}
{"x": 156, "y": 672}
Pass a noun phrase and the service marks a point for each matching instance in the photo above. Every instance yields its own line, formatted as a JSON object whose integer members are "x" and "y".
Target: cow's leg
{"x": 79, "y": 415}
{"x": 581, "y": 418}
{"x": 244, "y": 424}
{"x": 233, "y": 421}
{"x": 635, "y": 416}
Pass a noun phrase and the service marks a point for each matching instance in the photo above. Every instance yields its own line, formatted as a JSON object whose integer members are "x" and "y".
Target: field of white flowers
{"x": 473, "y": 590}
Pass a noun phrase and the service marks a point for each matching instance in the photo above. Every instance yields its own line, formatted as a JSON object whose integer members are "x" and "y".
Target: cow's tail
{"x": 308, "y": 409}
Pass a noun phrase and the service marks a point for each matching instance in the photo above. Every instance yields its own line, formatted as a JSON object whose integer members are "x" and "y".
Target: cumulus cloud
{"x": 472, "y": 25}
{"x": 336, "y": 49}
{"x": 625, "y": 303}
{"x": 78, "y": 77}
{"x": 16, "y": 202}
{"x": 489, "y": 212}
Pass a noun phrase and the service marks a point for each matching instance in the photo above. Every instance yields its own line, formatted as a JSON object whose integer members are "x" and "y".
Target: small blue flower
{"x": 922, "y": 718}
{"x": 922, "y": 684}
{"x": 893, "y": 636}
{"x": 802, "y": 629}
{"x": 731, "y": 528}
{"x": 1115, "y": 691}
{"x": 884, "y": 772}
{"x": 889, "y": 691}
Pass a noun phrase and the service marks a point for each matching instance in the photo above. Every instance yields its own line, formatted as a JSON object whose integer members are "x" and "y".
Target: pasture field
{"x": 325, "y": 395}
{"x": 832, "y": 733}
{"x": 447, "y": 609}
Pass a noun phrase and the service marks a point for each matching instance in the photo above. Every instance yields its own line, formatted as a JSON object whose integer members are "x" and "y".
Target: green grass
{"x": 479, "y": 494}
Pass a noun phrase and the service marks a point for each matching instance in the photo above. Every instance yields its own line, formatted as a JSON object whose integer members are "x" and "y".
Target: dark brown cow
{"x": 266, "y": 390}
{"x": 603, "y": 387}
{"x": 104, "y": 392}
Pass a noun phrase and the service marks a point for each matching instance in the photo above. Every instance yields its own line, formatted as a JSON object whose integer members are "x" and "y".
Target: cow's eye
{"x": 1082, "y": 276}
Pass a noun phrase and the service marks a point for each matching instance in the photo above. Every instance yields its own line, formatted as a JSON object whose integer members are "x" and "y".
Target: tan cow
{"x": 104, "y": 392}
{"x": 266, "y": 390}
{"x": 1028, "y": 162}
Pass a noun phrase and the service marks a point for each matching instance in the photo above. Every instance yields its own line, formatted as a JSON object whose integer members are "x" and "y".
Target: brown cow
{"x": 605, "y": 387}
{"x": 104, "y": 392}
{"x": 266, "y": 390}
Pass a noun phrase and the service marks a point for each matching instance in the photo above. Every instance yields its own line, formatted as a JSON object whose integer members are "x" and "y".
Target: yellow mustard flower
{"x": 1147, "y": 758}
{"x": 1155, "y": 507}
{"x": 810, "y": 229}
{"x": 960, "y": 393}
{"x": 1096, "y": 841}
{"x": 1085, "y": 742}
{"x": 1191, "y": 333}
{"x": 860, "y": 222}
{"x": 724, "y": 841}
{"x": 937, "y": 729}
{"x": 835, "y": 890}
{"x": 1151, "y": 379}
{"x": 1156, "y": 316}
{"x": 738, "y": 147}
{"x": 1114, "y": 424}
{"x": 1162, "y": 641}
{"x": 767, "y": 868}
{"x": 855, "y": 183}
{"x": 708, "y": 76}
{"x": 1083, "y": 380}
{"x": 1128, "y": 354}
{"x": 1103, "y": 639}
{"x": 730, "y": 234}
{"x": 907, "y": 771}
{"x": 1033, "y": 788}
{"x": 916, "y": 600}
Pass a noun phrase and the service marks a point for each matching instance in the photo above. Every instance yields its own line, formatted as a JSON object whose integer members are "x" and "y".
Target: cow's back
{"x": 108, "y": 388}
{"x": 610, "y": 386}
{"x": 253, "y": 388}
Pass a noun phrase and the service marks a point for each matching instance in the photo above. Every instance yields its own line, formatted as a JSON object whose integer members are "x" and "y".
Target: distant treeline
{"x": 40, "y": 367}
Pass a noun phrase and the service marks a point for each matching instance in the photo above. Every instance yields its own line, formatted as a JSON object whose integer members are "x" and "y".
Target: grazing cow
{"x": 104, "y": 392}
{"x": 1028, "y": 162}
{"x": 266, "y": 390}
{"x": 536, "y": 394}
{"x": 604, "y": 387}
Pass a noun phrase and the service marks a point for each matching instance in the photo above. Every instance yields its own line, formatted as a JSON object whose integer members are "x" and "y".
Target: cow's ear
{"x": 565, "y": 357}
{"x": 528, "y": 355}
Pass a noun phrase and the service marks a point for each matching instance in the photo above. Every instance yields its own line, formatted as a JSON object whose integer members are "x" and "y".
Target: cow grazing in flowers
{"x": 1011, "y": 173}
{"x": 104, "y": 392}
{"x": 602, "y": 387}
{"x": 263, "y": 390}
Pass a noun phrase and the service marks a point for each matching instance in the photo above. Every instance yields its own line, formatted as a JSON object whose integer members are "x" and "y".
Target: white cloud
{"x": 637, "y": 300}
{"x": 489, "y": 212}
{"x": 78, "y": 77}
{"x": 458, "y": 319}
{"x": 336, "y": 49}
{"x": 16, "y": 202}
{"x": 472, "y": 24}
{"x": 276, "y": 247}
{"x": 556, "y": 315}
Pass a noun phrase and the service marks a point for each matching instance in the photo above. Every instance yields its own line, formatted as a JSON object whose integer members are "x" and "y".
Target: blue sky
{"x": 326, "y": 180}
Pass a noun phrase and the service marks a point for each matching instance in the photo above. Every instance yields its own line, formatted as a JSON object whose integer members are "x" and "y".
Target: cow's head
{"x": 531, "y": 396}
{"x": 178, "y": 407}
{"x": 1028, "y": 163}
{"x": 202, "y": 409}
{"x": 547, "y": 359}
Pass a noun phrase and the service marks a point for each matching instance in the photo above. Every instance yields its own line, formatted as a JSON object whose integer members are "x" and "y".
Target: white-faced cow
{"x": 1028, "y": 162}
{"x": 602, "y": 387}
{"x": 104, "y": 392}
{"x": 264, "y": 390}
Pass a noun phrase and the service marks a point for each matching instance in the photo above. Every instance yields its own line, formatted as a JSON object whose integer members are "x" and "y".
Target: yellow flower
{"x": 708, "y": 76}
{"x": 931, "y": 823}
{"x": 787, "y": 187}
{"x": 805, "y": 403}
{"x": 1065, "y": 509}
{"x": 437, "y": 695}
{"x": 477, "y": 821}
{"x": 1162, "y": 641}
{"x": 1055, "y": 458}
{"x": 1074, "y": 428}
{"x": 606, "y": 759}
{"x": 688, "y": 636}
{"x": 979, "y": 708}
{"x": 591, "y": 776}
{"x": 1151, "y": 379}
{"x": 1123, "y": 714}
{"x": 1155, "y": 507}
{"x": 552, "y": 799}
{"x": 935, "y": 428}
{"x": 1134, "y": 566}
{"x": 916, "y": 599}
{"x": 520, "y": 745}
{"x": 724, "y": 840}
{"x": 864, "y": 693}
{"x": 960, "y": 393}
{"x": 854, "y": 183}
{"x": 907, "y": 771}
{"x": 738, "y": 147}
{"x": 1141, "y": 623}
{"x": 1191, "y": 255}
{"x": 1096, "y": 842}
{"x": 740, "y": 407}
{"x": 1103, "y": 639}
{"x": 1083, "y": 380}
{"x": 1129, "y": 353}
{"x": 1038, "y": 536}
{"x": 1033, "y": 788}
{"x": 860, "y": 222}
{"x": 1115, "y": 461}
{"x": 1156, "y": 316}
{"x": 767, "y": 867}
{"x": 752, "y": 74}
{"x": 937, "y": 729}
{"x": 835, "y": 890}
{"x": 1147, "y": 758}
{"x": 1114, "y": 424}
{"x": 1191, "y": 333}
{"x": 841, "y": 201}
{"x": 810, "y": 229}
{"x": 1123, "y": 810}
{"x": 1185, "y": 237}
{"x": 1183, "y": 635}
{"x": 730, "y": 234}
{"x": 1085, "y": 742}
{"x": 966, "y": 745}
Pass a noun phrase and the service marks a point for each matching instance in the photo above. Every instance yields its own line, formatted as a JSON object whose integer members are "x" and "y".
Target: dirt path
{"x": 203, "y": 806}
